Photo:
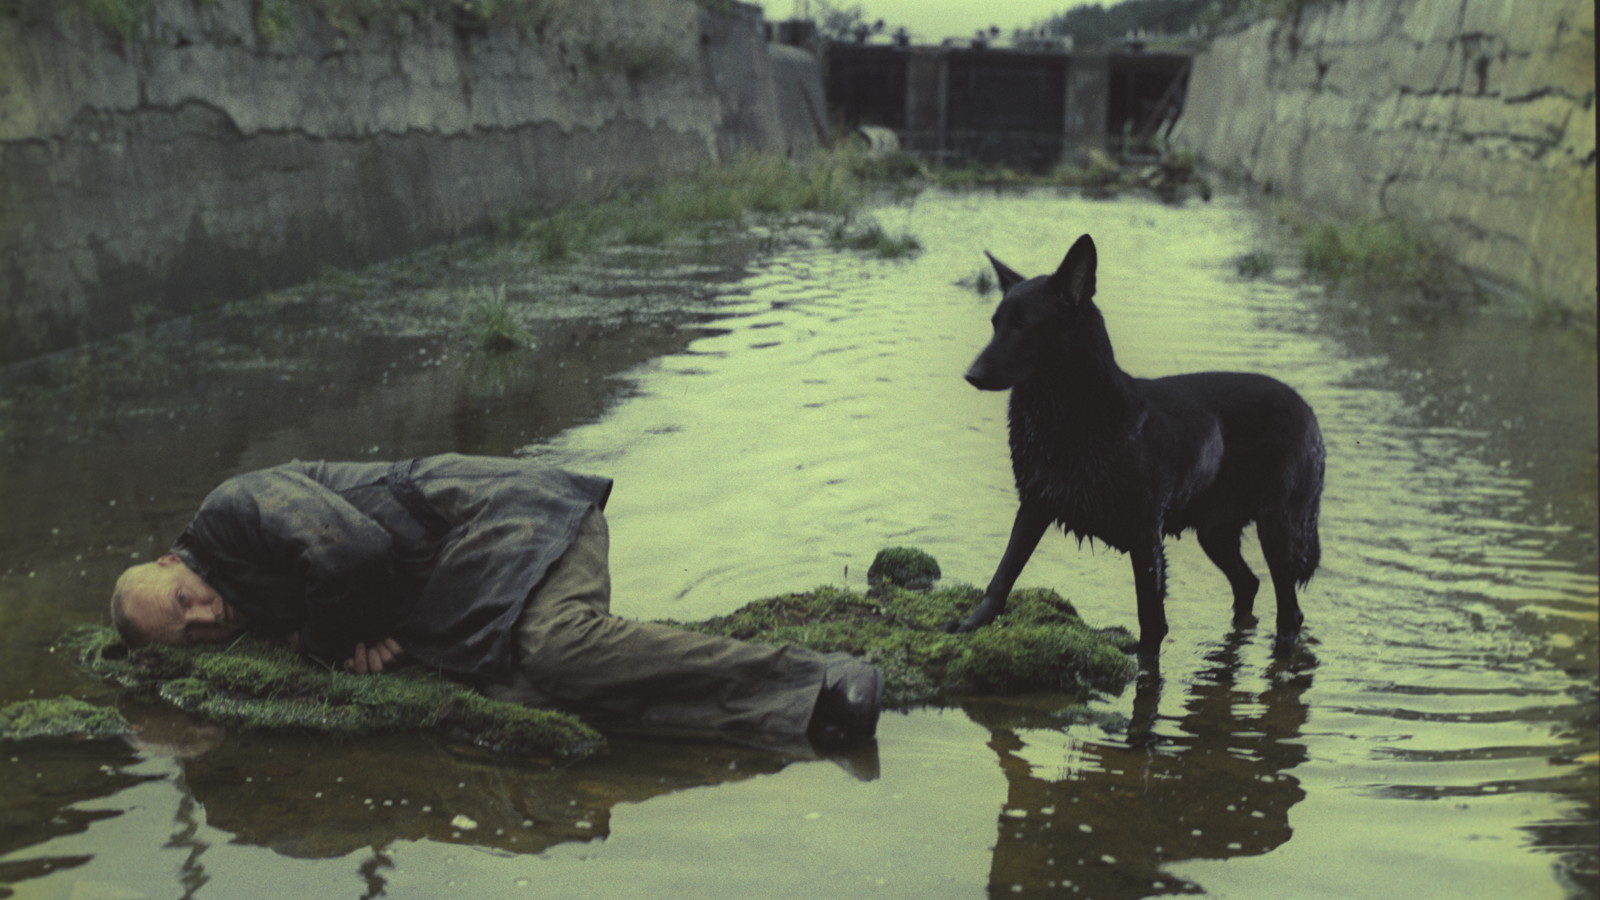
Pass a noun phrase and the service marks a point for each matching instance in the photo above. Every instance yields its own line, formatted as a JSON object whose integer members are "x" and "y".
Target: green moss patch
{"x": 905, "y": 567}
{"x": 60, "y": 718}
{"x": 1039, "y": 644}
{"x": 1371, "y": 251}
{"x": 255, "y": 685}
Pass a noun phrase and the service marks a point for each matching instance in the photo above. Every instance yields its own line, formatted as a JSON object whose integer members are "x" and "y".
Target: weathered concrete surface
{"x": 1471, "y": 120}
{"x": 205, "y": 161}
{"x": 802, "y": 104}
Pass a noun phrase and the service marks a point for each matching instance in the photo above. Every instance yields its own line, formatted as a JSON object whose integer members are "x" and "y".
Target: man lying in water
{"x": 491, "y": 571}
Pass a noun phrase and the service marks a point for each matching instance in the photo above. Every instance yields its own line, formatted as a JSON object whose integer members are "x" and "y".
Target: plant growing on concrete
{"x": 603, "y": 44}
{"x": 344, "y": 282}
{"x": 636, "y": 59}
{"x": 274, "y": 18}
{"x": 125, "y": 18}
{"x": 1372, "y": 251}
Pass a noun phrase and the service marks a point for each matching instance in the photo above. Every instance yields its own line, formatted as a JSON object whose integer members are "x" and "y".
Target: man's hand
{"x": 370, "y": 659}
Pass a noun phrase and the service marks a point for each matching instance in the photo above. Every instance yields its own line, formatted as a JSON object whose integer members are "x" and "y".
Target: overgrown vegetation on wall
{"x": 1097, "y": 25}
{"x": 376, "y": 127}
{"x": 586, "y": 25}
{"x": 1370, "y": 252}
{"x": 1440, "y": 140}
{"x": 126, "y": 17}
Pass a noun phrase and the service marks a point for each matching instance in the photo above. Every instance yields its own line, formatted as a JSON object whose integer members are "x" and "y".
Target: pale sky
{"x": 932, "y": 20}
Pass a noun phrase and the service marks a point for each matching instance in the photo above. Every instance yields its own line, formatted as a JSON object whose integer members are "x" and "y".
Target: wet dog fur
{"x": 1128, "y": 461}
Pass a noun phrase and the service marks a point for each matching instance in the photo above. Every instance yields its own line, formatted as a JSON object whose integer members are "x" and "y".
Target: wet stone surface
{"x": 772, "y": 410}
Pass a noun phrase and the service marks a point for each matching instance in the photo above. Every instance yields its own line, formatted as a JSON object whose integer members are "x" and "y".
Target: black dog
{"x": 1130, "y": 460}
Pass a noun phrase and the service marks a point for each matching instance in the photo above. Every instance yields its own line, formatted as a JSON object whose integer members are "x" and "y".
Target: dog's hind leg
{"x": 1278, "y": 547}
{"x": 1221, "y": 543}
{"x": 1150, "y": 586}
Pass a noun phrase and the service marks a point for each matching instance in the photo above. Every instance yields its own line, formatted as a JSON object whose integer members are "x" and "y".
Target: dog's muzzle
{"x": 984, "y": 380}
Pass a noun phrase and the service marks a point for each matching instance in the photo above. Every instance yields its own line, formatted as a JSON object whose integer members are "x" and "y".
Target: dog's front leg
{"x": 1150, "y": 586}
{"x": 1025, "y": 533}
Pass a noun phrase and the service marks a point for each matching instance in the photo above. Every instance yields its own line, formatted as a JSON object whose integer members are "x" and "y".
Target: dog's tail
{"x": 1303, "y": 510}
{"x": 1305, "y": 548}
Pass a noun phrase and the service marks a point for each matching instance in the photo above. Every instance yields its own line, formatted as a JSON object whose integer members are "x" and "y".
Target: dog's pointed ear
{"x": 1008, "y": 276}
{"x": 1074, "y": 281}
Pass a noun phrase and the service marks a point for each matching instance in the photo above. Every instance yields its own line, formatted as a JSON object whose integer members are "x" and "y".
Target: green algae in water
{"x": 1039, "y": 644}
{"x": 60, "y": 718}
{"x": 256, "y": 685}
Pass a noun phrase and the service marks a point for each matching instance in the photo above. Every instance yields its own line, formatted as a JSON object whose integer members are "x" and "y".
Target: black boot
{"x": 848, "y": 705}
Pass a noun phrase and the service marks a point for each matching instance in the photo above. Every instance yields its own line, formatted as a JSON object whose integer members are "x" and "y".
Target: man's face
{"x": 168, "y": 603}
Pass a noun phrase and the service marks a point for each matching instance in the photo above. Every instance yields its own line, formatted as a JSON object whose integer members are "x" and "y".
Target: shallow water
{"x": 770, "y": 431}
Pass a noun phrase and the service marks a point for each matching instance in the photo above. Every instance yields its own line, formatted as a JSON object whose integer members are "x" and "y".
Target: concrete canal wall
{"x": 1470, "y": 120}
{"x": 225, "y": 147}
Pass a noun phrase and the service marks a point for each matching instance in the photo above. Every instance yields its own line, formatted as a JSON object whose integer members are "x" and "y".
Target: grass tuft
{"x": 490, "y": 319}
{"x": 1371, "y": 251}
{"x": 712, "y": 198}
{"x": 981, "y": 282}
{"x": 1255, "y": 264}
{"x": 874, "y": 239}
{"x": 896, "y": 166}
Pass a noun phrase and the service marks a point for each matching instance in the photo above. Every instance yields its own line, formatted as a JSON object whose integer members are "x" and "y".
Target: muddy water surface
{"x": 773, "y": 415}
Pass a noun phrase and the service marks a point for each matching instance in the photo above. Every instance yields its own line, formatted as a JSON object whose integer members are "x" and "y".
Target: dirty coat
{"x": 439, "y": 553}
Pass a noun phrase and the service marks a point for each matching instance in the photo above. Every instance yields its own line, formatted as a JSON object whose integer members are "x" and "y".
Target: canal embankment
{"x": 158, "y": 158}
{"x": 1470, "y": 123}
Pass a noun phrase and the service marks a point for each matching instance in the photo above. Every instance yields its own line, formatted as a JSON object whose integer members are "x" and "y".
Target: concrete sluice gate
{"x": 1018, "y": 107}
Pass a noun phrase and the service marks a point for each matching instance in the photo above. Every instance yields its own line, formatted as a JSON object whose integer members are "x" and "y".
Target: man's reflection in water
{"x": 1104, "y": 818}
{"x": 191, "y": 872}
{"x": 312, "y": 799}
{"x": 308, "y": 797}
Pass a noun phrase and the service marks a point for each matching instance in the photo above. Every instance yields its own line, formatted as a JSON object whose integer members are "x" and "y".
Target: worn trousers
{"x": 572, "y": 652}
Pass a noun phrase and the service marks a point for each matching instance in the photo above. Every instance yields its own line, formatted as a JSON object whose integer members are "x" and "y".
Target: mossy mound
{"x": 905, "y": 567}
{"x": 258, "y": 685}
{"x": 60, "y": 718}
{"x": 1039, "y": 644}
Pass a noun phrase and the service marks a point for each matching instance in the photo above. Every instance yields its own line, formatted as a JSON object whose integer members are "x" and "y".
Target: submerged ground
{"x": 774, "y": 411}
